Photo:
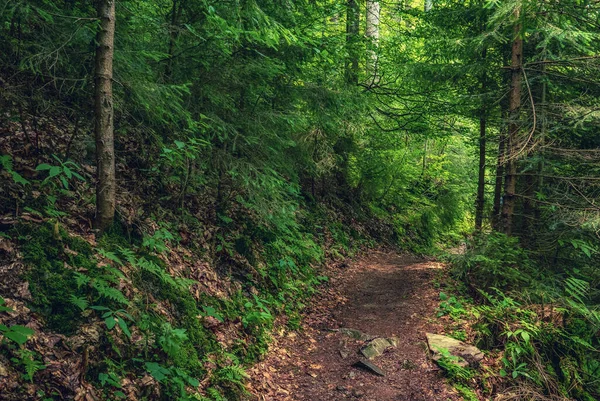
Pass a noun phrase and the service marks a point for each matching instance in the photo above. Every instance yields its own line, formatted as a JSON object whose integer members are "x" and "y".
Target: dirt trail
{"x": 384, "y": 294}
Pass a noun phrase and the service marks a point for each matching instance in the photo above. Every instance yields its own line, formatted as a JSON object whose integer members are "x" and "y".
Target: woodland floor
{"x": 382, "y": 294}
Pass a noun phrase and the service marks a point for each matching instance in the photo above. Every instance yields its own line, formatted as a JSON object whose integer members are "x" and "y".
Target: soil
{"x": 382, "y": 295}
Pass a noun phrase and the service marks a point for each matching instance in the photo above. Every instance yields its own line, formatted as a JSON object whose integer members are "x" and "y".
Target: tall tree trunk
{"x": 479, "y": 209}
{"x": 173, "y": 33}
{"x": 352, "y": 29}
{"x": 104, "y": 116}
{"x": 498, "y": 183}
{"x": 372, "y": 34}
{"x": 534, "y": 179}
{"x": 510, "y": 185}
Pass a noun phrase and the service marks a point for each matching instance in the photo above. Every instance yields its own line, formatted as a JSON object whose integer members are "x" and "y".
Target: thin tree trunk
{"x": 479, "y": 209}
{"x": 372, "y": 34}
{"x": 543, "y": 118}
{"x": 104, "y": 116}
{"x": 352, "y": 29}
{"x": 173, "y": 28}
{"x": 481, "y": 179}
{"x": 508, "y": 208}
{"x": 498, "y": 184}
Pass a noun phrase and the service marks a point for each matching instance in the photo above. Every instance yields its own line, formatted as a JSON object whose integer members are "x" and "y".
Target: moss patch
{"x": 51, "y": 257}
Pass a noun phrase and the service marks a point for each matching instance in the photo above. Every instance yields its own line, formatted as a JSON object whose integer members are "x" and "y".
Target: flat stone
{"x": 368, "y": 366}
{"x": 466, "y": 354}
{"x": 377, "y": 347}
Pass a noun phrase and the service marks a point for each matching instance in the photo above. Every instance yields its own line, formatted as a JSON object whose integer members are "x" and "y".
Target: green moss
{"x": 50, "y": 273}
{"x": 185, "y": 310}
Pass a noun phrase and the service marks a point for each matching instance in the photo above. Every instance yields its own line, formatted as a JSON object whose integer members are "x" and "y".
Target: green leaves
{"x": 156, "y": 371}
{"x": 210, "y": 311}
{"x": 112, "y": 318}
{"x": 6, "y": 163}
{"x": 17, "y": 333}
{"x": 63, "y": 172}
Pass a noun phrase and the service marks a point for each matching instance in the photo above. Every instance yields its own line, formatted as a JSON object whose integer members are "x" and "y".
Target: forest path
{"x": 383, "y": 295}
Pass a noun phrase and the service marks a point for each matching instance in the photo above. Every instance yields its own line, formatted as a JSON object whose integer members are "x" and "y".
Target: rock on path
{"x": 384, "y": 296}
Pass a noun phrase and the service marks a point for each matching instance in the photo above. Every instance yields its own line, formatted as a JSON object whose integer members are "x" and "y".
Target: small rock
{"x": 358, "y": 393}
{"x": 341, "y": 389}
{"x": 352, "y": 375}
{"x": 376, "y": 347}
{"x": 344, "y": 354}
{"x": 368, "y": 366}
{"x": 466, "y": 354}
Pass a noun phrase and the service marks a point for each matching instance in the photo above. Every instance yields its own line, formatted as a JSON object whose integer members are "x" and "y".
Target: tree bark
{"x": 510, "y": 184}
{"x": 481, "y": 178}
{"x": 498, "y": 184}
{"x": 352, "y": 29}
{"x": 480, "y": 203}
{"x": 104, "y": 116}
{"x": 173, "y": 33}
{"x": 372, "y": 34}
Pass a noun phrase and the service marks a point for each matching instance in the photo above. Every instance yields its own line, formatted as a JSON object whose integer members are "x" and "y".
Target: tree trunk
{"x": 104, "y": 116}
{"x": 479, "y": 209}
{"x": 510, "y": 184}
{"x": 481, "y": 179}
{"x": 372, "y": 34}
{"x": 498, "y": 183}
{"x": 352, "y": 28}
{"x": 534, "y": 182}
{"x": 173, "y": 33}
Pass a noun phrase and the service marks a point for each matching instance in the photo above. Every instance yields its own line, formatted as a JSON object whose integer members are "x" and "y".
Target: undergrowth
{"x": 540, "y": 333}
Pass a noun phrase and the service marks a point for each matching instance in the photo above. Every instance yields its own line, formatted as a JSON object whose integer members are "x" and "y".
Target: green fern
{"x": 81, "y": 279}
{"x": 110, "y": 256}
{"x": 79, "y": 302}
{"x": 577, "y": 289}
{"x": 106, "y": 291}
{"x": 28, "y": 360}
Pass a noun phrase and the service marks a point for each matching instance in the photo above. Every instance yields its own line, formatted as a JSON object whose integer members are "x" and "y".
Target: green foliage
{"x": 6, "y": 163}
{"x": 30, "y": 362}
{"x": 61, "y": 173}
{"x": 17, "y": 333}
{"x": 494, "y": 261}
{"x": 545, "y": 334}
